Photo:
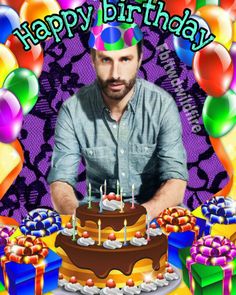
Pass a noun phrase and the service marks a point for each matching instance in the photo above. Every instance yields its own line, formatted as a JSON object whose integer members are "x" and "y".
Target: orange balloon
{"x": 38, "y": 9}
{"x": 8, "y": 62}
{"x": 219, "y": 22}
{"x": 31, "y": 59}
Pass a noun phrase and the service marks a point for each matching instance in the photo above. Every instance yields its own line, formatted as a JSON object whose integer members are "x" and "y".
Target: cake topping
{"x": 138, "y": 235}
{"x": 110, "y": 283}
{"x": 154, "y": 231}
{"x": 130, "y": 283}
{"x": 85, "y": 234}
{"x": 90, "y": 283}
{"x": 85, "y": 240}
{"x": 170, "y": 276}
{"x": 111, "y": 196}
{"x": 112, "y": 205}
{"x": 112, "y": 237}
{"x": 153, "y": 225}
{"x": 170, "y": 270}
{"x": 160, "y": 276}
{"x": 112, "y": 244}
{"x": 138, "y": 240}
{"x": 60, "y": 276}
{"x": 148, "y": 286}
{"x": 69, "y": 225}
{"x": 73, "y": 280}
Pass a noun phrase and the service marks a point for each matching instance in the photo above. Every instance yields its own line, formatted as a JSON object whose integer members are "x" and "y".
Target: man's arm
{"x": 169, "y": 194}
{"x": 64, "y": 167}
{"x": 63, "y": 197}
{"x": 172, "y": 163}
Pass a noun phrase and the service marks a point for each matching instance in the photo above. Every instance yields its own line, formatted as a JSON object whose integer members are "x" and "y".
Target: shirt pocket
{"x": 100, "y": 161}
{"x": 142, "y": 158}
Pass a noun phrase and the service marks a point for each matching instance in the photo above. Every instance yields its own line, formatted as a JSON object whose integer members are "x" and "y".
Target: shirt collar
{"x": 131, "y": 104}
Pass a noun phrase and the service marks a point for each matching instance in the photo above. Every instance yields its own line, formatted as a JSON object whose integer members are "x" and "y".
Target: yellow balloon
{"x": 38, "y": 9}
{"x": 219, "y": 22}
{"x": 234, "y": 32}
{"x": 8, "y": 63}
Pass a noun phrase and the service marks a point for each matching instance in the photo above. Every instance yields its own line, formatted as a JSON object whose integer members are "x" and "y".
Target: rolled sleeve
{"x": 171, "y": 152}
{"x": 66, "y": 153}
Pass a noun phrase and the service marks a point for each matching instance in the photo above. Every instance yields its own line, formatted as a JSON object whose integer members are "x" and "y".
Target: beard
{"x": 116, "y": 94}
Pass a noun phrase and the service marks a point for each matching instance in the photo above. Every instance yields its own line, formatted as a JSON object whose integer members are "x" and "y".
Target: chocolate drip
{"x": 101, "y": 261}
{"x": 114, "y": 219}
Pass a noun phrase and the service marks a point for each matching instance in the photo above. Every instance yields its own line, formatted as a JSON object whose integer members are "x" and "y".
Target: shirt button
{"x": 114, "y": 126}
{"x": 123, "y": 174}
{"x": 122, "y": 151}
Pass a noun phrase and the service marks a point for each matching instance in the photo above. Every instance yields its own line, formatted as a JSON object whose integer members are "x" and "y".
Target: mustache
{"x": 115, "y": 81}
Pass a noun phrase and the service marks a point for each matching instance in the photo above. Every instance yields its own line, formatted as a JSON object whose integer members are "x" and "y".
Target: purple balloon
{"x": 233, "y": 56}
{"x": 65, "y": 4}
{"x": 11, "y": 116}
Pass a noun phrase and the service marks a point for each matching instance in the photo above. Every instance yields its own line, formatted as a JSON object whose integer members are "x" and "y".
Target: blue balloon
{"x": 183, "y": 46}
{"x": 9, "y": 20}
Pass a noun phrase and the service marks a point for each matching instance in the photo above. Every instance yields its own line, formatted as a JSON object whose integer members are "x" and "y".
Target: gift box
{"x": 22, "y": 278}
{"x": 215, "y": 229}
{"x": 182, "y": 229}
{"x": 208, "y": 279}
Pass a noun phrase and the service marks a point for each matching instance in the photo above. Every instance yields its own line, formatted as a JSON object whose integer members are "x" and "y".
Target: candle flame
{"x": 99, "y": 222}
{"x": 125, "y": 222}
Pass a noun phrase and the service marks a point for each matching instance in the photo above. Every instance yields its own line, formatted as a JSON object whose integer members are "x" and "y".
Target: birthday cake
{"x": 110, "y": 243}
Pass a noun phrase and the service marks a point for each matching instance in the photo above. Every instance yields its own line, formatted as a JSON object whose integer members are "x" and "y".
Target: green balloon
{"x": 219, "y": 114}
{"x": 24, "y": 84}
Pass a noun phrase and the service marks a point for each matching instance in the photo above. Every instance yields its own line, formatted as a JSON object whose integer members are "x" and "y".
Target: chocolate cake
{"x": 113, "y": 245}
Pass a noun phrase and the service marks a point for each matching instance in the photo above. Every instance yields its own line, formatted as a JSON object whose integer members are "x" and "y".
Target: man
{"x": 125, "y": 128}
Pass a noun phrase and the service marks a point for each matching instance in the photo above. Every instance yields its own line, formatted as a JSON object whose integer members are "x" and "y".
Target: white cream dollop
{"x": 161, "y": 283}
{"x": 90, "y": 290}
{"x": 111, "y": 205}
{"x": 62, "y": 282}
{"x": 138, "y": 241}
{"x": 108, "y": 244}
{"x": 73, "y": 287}
{"x": 131, "y": 290}
{"x": 171, "y": 276}
{"x": 154, "y": 231}
{"x": 111, "y": 291}
{"x": 85, "y": 241}
{"x": 67, "y": 231}
{"x": 148, "y": 287}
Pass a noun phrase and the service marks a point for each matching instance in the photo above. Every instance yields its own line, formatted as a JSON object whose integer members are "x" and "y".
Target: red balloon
{"x": 13, "y": 4}
{"x": 176, "y": 7}
{"x": 31, "y": 59}
{"x": 213, "y": 69}
{"x": 230, "y": 7}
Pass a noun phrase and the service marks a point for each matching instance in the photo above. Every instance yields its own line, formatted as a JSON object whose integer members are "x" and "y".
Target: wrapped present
{"x": 182, "y": 229}
{"x": 209, "y": 266}
{"x": 220, "y": 215}
{"x": 29, "y": 267}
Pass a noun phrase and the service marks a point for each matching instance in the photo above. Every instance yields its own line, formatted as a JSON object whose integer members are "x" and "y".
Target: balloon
{"x": 11, "y": 163}
{"x": 230, "y": 7}
{"x": 13, "y": 4}
{"x": 176, "y": 7}
{"x": 65, "y": 4}
{"x": 8, "y": 62}
{"x": 9, "y": 20}
{"x": 183, "y": 46}
{"x": 219, "y": 22}
{"x": 38, "y": 9}
{"x": 31, "y": 59}
{"x": 24, "y": 84}
{"x": 233, "y": 56}
{"x": 219, "y": 114}
{"x": 213, "y": 69}
{"x": 234, "y": 31}
{"x": 11, "y": 116}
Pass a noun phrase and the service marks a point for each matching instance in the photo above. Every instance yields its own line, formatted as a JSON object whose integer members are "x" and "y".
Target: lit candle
{"x": 99, "y": 232}
{"x": 125, "y": 231}
{"x": 121, "y": 200}
{"x": 73, "y": 224}
{"x": 117, "y": 188}
{"x": 89, "y": 196}
{"x": 101, "y": 196}
{"x": 105, "y": 187}
{"x": 132, "y": 197}
{"x": 148, "y": 225}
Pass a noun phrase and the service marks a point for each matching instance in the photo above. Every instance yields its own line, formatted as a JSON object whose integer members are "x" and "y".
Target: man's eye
{"x": 125, "y": 59}
{"x": 105, "y": 60}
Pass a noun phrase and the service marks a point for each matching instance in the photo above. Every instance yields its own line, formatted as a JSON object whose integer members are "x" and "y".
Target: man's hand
{"x": 170, "y": 194}
{"x": 63, "y": 198}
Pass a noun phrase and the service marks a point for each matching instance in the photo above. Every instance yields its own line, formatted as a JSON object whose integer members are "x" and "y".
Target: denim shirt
{"x": 143, "y": 149}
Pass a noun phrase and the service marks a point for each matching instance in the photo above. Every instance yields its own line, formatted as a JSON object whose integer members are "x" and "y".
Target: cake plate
{"x": 160, "y": 290}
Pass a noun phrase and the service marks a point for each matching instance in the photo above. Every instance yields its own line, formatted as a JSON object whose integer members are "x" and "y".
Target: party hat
{"x": 113, "y": 35}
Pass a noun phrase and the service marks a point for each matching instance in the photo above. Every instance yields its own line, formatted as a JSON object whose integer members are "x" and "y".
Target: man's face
{"x": 116, "y": 71}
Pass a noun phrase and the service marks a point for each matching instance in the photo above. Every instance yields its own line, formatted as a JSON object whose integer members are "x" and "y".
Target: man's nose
{"x": 115, "y": 71}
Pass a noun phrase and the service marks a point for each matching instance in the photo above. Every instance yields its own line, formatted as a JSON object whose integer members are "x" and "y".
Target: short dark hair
{"x": 139, "y": 48}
